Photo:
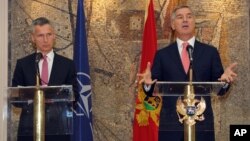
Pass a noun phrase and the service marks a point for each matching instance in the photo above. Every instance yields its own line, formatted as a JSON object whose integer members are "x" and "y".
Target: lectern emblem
{"x": 192, "y": 111}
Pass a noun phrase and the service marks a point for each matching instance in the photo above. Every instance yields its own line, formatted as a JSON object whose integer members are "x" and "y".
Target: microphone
{"x": 190, "y": 50}
{"x": 39, "y": 56}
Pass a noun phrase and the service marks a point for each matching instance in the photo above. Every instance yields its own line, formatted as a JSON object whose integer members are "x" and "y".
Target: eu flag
{"x": 83, "y": 109}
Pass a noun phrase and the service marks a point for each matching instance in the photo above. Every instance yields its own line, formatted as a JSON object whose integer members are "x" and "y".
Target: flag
{"x": 146, "y": 118}
{"x": 83, "y": 109}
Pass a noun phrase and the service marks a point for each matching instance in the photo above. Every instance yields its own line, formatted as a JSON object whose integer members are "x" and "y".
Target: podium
{"x": 187, "y": 109}
{"x": 55, "y": 111}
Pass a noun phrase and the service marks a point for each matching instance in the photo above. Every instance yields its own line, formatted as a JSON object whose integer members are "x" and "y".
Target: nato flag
{"x": 83, "y": 109}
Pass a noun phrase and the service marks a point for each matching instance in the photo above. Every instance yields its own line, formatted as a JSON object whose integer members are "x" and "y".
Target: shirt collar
{"x": 190, "y": 42}
{"x": 50, "y": 55}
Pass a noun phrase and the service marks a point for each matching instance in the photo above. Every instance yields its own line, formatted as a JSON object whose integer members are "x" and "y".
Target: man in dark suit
{"x": 169, "y": 65}
{"x": 60, "y": 71}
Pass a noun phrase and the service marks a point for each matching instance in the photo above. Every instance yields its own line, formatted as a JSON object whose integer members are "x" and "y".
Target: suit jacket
{"x": 62, "y": 73}
{"x": 167, "y": 66}
{"x": 207, "y": 65}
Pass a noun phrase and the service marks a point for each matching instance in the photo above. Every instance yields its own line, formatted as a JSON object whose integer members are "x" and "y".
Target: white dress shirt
{"x": 180, "y": 42}
{"x": 50, "y": 59}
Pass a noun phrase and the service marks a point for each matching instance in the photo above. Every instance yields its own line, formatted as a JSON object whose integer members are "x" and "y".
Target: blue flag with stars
{"x": 83, "y": 109}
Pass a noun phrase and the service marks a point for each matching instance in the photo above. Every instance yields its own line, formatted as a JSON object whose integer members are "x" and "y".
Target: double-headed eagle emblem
{"x": 190, "y": 110}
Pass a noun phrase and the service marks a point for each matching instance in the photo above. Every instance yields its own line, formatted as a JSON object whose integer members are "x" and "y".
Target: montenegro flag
{"x": 146, "y": 118}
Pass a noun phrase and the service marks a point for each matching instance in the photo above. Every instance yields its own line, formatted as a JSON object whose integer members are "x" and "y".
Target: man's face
{"x": 43, "y": 37}
{"x": 184, "y": 23}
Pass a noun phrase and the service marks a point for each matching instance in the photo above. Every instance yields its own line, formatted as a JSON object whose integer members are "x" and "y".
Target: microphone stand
{"x": 39, "y": 107}
{"x": 189, "y": 100}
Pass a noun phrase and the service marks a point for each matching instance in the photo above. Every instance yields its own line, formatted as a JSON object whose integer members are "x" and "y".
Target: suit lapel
{"x": 198, "y": 55}
{"x": 198, "y": 52}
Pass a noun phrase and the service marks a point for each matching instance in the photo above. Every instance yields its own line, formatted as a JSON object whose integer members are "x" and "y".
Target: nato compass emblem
{"x": 84, "y": 101}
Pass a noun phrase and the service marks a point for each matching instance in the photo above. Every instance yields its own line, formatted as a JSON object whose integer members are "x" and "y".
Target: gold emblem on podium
{"x": 194, "y": 110}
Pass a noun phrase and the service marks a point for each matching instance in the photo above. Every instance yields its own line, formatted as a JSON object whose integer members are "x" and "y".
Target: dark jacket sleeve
{"x": 150, "y": 91}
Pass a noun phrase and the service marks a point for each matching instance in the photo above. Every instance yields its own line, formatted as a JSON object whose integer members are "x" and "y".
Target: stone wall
{"x": 114, "y": 30}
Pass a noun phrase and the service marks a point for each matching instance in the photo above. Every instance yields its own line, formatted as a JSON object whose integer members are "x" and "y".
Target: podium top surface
{"x": 51, "y": 93}
{"x": 187, "y": 82}
{"x": 41, "y": 87}
{"x": 168, "y": 88}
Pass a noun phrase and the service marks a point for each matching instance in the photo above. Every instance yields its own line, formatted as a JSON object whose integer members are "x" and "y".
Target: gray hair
{"x": 173, "y": 15}
{"x": 40, "y": 21}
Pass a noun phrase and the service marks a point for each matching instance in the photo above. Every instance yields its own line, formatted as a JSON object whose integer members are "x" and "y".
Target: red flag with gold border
{"x": 147, "y": 111}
